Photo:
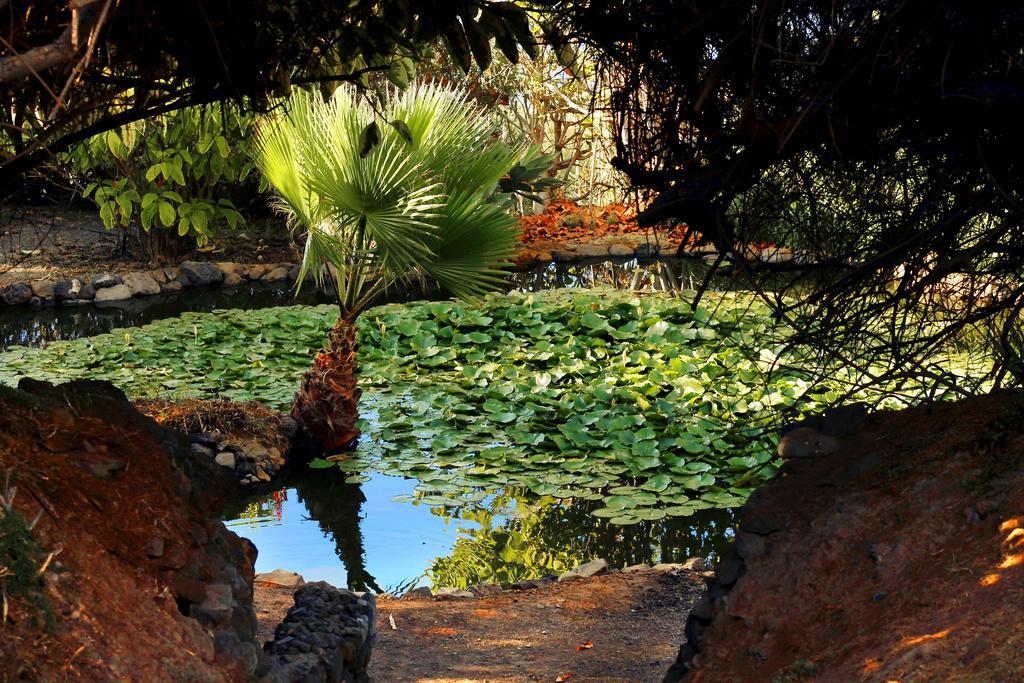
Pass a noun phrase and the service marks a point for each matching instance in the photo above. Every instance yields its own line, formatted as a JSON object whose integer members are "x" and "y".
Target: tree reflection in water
{"x": 521, "y": 537}
{"x": 518, "y": 535}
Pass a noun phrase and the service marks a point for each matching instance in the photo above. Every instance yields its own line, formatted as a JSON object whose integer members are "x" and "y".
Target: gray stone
{"x": 67, "y": 290}
{"x": 42, "y": 288}
{"x": 592, "y": 250}
{"x": 141, "y": 284}
{"x": 159, "y": 275}
{"x": 232, "y": 280}
{"x": 115, "y": 293}
{"x": 278, "y": 274}
{"x": 225, "y": 459}
{"x": 620, "y": 250}
{"x": 647, "y": 250}
{"x": 201, "y": 273}
{"x": 804, "y": 442}
{"x": 171, "y": 286}
{"x": 453, "y": 594}
{"x": 104, "y": 280}
{"x": 585, "y": 571}
{"x": 216, "y": 607}
{"x": 421, "y": 593}
{"x": 484, "y": 589}
{"x": 282, "y": 578}
{"x": 16, "y": 294}
{"x": 668, "y": 567}
{"x": 635, "y": 568}
{"x": 202, "y": 450}
{"x": 172, "y": 273}
{"x": 86, "y": 293}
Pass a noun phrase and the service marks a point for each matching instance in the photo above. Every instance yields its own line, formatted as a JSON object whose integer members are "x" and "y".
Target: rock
{"x": 172, "y": 273}
{"x": 843, "y": 420}
{"x": 288, "y": 426}
{"x": 668, "y": 567}
{"x": 141, "y": 284}
{"x": 16, "y": 294}
{"x": 571, "y": 220}
{"x": 105, "y": 469}
{"x": 67, "y": 290}
{"x": 421, "y": 593}
{"x": 592, "y": 250}
{"x": 525, "y": 258}
{"x": 647, "y": 250}
{"x": 257, "y": 271}
{"x": 280, "y": 578}
{"x": 104, "y": 280}
{"x": 203, "y": 438}
{"x": 225, "y": 459}
{"x": 729, "y": 568}
{"x": 159, "y": 275}
{"x": 231, "y": 280}
{"x": 155, "y": 547}
{"x": 171, "y": 286}
{"x": 544, "y": 257}
{"x": 484, "y": 589}
{"x": 694, "y": 564}
{"x": 635, "y": 568}
{"x": 201, "y": 273}
{"x": 35, "y": 302}
{"x": 42, "y": 288}
{"x": 276, "y": 275}
{"x": 294, "y": 270}
{"x": 86, "y": 293}
{"x": 762, "y": 523}
{"x": 115, "y": 293}
{"x": 564, "y": 255}
{"x": 202, "y": 450}
{"x": 327, "y": 636}
{"x": 804, "y": 442}
{"x": 216, "y": 607}
{"x": 525, "y": 585}
{"x": 230, "y": 267}
{"x": 453, "y": 594}
{"x": 585, "y": 571}
{"x": 620, "y": 250}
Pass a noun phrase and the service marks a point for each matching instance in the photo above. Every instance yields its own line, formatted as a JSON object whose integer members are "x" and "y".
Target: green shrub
{"x": 171, "y": 176}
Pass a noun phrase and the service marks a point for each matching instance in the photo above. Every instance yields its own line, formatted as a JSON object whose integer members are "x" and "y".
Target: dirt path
{"x": 617, "y": 627}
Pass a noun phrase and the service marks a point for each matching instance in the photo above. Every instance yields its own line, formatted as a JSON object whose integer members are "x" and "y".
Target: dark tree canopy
{"x": 883, "y": 138}
{"x": 73, "y": 68}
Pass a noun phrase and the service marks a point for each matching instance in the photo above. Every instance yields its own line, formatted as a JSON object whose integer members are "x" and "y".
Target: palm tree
{"x": 381, "y": 203}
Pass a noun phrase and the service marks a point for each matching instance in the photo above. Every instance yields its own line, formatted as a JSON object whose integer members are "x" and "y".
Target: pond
{"x": 390, "y": 524}
{"x": 356, "y": 535}
{"x": 23, "y": 326}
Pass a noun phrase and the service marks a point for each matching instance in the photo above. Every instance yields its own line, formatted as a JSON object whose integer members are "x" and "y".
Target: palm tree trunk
{"x": 327, "y": 404}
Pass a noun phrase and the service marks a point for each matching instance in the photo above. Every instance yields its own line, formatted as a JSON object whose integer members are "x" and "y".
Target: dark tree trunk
{"x": 327, "y": 404}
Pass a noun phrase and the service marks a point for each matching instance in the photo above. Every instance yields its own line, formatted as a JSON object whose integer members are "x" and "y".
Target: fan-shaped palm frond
{"x": 421, "y": 204}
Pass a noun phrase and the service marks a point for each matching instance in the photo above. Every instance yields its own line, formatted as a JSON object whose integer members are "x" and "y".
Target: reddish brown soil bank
{"x": 126, "y": 574}
{"x": 899, "y": 558}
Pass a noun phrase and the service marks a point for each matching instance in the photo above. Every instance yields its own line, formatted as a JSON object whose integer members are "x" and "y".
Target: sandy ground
{"x": 616, "y": 627}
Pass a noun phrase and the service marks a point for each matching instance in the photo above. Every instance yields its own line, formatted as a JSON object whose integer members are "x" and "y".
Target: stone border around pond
{"x": 108, "y": 287}
{"x": 100, "y": 288}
